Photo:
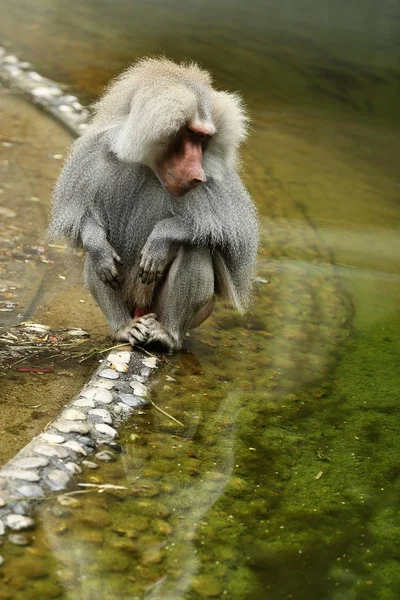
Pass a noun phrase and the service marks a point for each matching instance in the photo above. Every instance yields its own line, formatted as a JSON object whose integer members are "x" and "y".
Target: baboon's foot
{"x": 158, "y": 335}
{"x": 137, "y": 331}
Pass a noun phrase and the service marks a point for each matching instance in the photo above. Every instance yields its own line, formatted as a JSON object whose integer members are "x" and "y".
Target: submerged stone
{"x": 58, "y": 479}
{"x": 132, "y": 400}
{"x": 73, "y": 468}
{"x": 2, "y": 528}
{"x": 31, "y": 491}
{"x": 106, "y": 456}
{"x": 19, "y": 539}
{"x": 19, "y": 522}
{"x": 90, "y": 464}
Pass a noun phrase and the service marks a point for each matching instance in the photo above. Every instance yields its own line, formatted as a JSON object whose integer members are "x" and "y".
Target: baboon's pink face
{"x": 181, "y": 168}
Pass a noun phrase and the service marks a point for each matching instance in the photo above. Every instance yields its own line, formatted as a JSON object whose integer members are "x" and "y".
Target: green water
{"x": 284, "y": 480}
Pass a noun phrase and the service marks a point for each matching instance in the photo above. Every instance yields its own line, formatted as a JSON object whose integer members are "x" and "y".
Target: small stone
{"x": 106, "y": 430}
{"x": 58, "y": 479}
{"x": 21, "y": 508}
{"x": 123, "y": 356}
{"x": 89, "y": 464}
{"x": 19, "y": 522}
{"x": 84, "y": 402}
{"x": 131, "y": 400}
{"x": 152, "y": 556}
{"x": 103, "y": 414}
{"x": 73, "y": 468}
{"x": 1, "y": 561}
{"x": 207, "y": 587}
{"x": 98, "y": 395}
{"x": 138, "y": 378}
{"x": 109, "y": 374}
{"x": 71, "y": 426}
{"x": 19, "y": 539}
{"x": 124, "y": 407}
{"x": 2, "y": 528}
{"x": 73, "y": 415}
{"x": 103, "y": 383}
{"x": 53, "y": 438}
{"x": 68, "y": 501}
{"x": 138, "y": 388}
{"x": 105, "y": 456}
{"x": 86, "y": 441}
{"x": 76, "y": 447}
{"x": 2, "y": 502}
{"x": 24, "y": 475}
{"x": 32, "y": 462}
{"x": 92, "y": 536}
{"x": 150, "y": 362}
{"x": 146, "y": 372}
{"x": 31, "y": 491}
{"x": 47, "y": 450}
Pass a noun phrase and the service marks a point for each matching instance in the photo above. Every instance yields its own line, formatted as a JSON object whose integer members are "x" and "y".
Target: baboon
{"x": 152, "y": 194}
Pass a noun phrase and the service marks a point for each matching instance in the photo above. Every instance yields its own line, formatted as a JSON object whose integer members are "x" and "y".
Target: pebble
{"x": 47, "y": 450}
{"x": 86, "y": 402}
{"x": 68, "y": 501}
{"x": 103, "y": 383}
{"x": 131, "y": 400}
{"x": 2, "y": 502}
{"x": 58, "y": 479}
{"x": 109, "y": 374}
{"x": 138, "y": 388}
{"x": 73, "y": 468}
{"x": 19, "y": 539}
{"x": 105, "y": 456}
{"x": 24, "y": 475}
{"x": 123, "y": 356}
{"x": 146, "y": 372}
{"x": 71, "y": 426}
{"x": 103, "y": 414}
{"x": 123, "y": 407}
{"x": 207, "y": 587}
{"x": 73, "y": 415}
{"x": 2, "y": 528}
{"x": 1, "y": 561}
{"x": 98, "y": 395}
{"x": 21, "y": 508}
{"x": 32, "y": 462}
{"x": 86, "y": 441}
{"x": 31, "y": 491}
{"x": 152, "y": 556}
{"x": 54, "y": 438}
{"x": 19, "y": 522}
{"x": 76, "y": 447}
{"x": 106, "y": 430}
{"x": 89, "y": 464}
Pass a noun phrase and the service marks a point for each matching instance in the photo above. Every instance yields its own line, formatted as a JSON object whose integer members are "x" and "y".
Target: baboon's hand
{"x": 108, "y": 265}
{"x": 153, "y": 260}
